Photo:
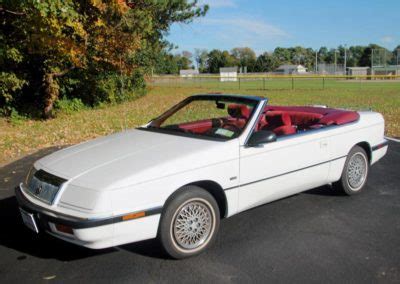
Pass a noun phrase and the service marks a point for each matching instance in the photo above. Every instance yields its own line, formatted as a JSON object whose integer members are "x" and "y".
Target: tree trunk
{"x": 51, "y": 93}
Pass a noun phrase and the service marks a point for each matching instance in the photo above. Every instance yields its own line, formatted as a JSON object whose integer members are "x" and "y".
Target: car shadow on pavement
{"x": 15, "y": 235}
{"x": 150, "y": 248}
{"x": 325, "y": 190}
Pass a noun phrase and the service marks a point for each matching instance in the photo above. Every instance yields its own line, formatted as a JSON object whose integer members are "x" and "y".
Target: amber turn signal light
{"x": 64, "y": 229}
{"x": 133, "y": 216}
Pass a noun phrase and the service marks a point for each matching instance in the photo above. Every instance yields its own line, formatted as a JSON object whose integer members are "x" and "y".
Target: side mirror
{"x": 261, "y": 137}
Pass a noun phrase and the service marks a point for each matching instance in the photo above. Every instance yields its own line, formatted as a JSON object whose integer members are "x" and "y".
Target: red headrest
{"x": 238, "y": 111}
{"x": 278, "y": 118}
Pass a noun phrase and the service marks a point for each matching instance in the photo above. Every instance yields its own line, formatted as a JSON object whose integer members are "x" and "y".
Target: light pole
{"x": 345, "y": 60}
{"x": 316, "y": 62}
{"x": 372, "y": 60}
{"x": 335, "y": 61}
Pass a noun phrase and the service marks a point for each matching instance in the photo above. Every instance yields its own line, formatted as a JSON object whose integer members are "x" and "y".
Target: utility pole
{"x": 335, "y": 61}
{"x": 316, "y": 62}
{"x": 372, "y": 58}
{"x": 345, "y": 60}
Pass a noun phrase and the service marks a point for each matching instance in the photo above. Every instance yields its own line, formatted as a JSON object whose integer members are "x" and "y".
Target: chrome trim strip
{"x": 275, "y": 176}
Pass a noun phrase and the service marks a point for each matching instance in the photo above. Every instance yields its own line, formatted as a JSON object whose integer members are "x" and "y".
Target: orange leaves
{"x": 99, "y": 4}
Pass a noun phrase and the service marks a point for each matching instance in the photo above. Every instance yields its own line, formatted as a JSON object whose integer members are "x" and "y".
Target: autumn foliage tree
{"x": 46, "y": 42}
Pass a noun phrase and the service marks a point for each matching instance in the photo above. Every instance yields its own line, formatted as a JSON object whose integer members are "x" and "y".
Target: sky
{"x": 264, "y": 25}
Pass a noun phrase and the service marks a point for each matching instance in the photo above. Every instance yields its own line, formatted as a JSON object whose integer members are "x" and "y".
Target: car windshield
{"x": 217, "y": 117}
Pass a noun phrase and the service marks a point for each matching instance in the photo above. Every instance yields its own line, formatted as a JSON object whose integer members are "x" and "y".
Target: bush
{"x": 69, "y": 105}
{"x": 78, "y": 90}
{"x": 11, "y": 86}
{"x": 15, "y": 118}
{"x": 111, "y": 88}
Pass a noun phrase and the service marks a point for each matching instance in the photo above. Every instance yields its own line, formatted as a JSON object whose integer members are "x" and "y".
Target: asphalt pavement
{"x": 316, "y": 236}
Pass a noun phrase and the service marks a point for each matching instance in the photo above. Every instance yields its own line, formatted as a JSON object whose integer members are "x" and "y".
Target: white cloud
{"x": 219, "y": 3}
{"x": 235, "y": 30}
{"x": 248, "y": 27}
{"x": 387, "y": 39}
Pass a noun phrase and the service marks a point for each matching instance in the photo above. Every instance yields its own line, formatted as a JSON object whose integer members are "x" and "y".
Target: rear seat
{"x": 303, "y": 118}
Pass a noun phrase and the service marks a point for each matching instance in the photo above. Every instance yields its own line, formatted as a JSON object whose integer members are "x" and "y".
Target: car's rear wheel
{"x": 189, "y": 223}
{"x": 355, "y": 172}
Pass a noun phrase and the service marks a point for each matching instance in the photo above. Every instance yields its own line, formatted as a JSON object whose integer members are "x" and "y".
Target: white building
{"x": 228, "y": 74}
{"x": 188, "y": 72}
{"x": 291, "y": 69}
{"x": 354, "y": 71}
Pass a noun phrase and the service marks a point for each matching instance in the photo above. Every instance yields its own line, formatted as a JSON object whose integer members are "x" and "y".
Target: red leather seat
{"x": 279, "y": 122}
{"x": 239, "y": 115}
{"x": 238, "y": 111}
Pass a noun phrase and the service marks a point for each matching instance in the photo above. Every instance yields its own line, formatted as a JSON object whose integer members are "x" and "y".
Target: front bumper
{"x": 93, "y": 233}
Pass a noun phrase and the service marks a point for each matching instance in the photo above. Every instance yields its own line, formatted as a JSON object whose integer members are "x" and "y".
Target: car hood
{"x": 131, "y": 157}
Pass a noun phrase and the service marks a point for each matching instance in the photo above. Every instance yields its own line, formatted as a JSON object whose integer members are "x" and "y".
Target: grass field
{"x": 26, "y": 136}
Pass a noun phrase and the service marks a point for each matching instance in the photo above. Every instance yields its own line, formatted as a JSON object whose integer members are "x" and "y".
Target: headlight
{"x": 30, "y": 175}
{"x": 43, "y": 185}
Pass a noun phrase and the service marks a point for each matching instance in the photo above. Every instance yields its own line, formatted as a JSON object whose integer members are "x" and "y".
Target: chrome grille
{"x": 45, "y": 186}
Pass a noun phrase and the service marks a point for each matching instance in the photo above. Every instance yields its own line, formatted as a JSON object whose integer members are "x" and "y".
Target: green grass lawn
{"x": 27, "y": 136}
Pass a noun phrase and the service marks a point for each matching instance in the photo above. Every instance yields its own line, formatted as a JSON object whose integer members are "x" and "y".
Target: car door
{"x": 291, "y": 164}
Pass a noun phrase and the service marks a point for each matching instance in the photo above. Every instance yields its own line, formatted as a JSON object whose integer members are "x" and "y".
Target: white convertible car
{"x": 209, "y": 157}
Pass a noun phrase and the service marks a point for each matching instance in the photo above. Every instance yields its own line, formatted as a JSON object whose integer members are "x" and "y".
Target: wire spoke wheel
{"x": 357, "y": 171}
{"x": 193, "y": 224}
{"x": 190, "y": 222}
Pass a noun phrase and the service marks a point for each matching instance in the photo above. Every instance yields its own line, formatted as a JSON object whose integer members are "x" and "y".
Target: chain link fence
{"x": 254, "y": 82}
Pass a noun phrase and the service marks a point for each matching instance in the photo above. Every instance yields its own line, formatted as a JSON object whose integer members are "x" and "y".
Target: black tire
{"x": 357, "y": 165}
{"x": 171, "y": 236}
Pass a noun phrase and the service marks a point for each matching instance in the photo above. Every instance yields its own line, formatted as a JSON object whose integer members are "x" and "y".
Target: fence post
{"x": 323, "y": 83}
{"x": 292, "y": 82}
{"x": 239, "y": 83}
{"x": 263, "y": 83}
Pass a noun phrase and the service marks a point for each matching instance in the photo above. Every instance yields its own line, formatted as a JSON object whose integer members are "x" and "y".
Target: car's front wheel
{"x": 355, "y": 172}
{"x": 189, "y": 223}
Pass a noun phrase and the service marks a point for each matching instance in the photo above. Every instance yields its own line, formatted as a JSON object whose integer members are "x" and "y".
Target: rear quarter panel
{"x": 369, "y": 128}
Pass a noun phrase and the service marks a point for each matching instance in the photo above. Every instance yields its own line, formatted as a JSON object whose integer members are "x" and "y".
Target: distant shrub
{"x": 15, "y": 118}
{"x": 111, "y": 88}
{"x": 69, "y": 105}
{"x": 10, "y": 88}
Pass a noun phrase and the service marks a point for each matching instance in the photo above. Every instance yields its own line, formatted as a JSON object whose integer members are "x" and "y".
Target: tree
{"x": 396, "y": 55}
{"x": 201, "y": 56}
{"x": 323, "y": 54}
{"x": 266, "y": 63}
{"x": 183, "y": 61}
{"x": 166, "y": 63}
{"x": 217, "y": 59}
{"x": 282, "y": 55}
{"x": 381, "y": 55}
{"x": 245, "y": 56}
{"x": 99, "y": 37}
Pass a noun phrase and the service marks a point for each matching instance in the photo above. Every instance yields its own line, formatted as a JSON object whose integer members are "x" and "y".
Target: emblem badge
{"x": 39, "y": 190}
